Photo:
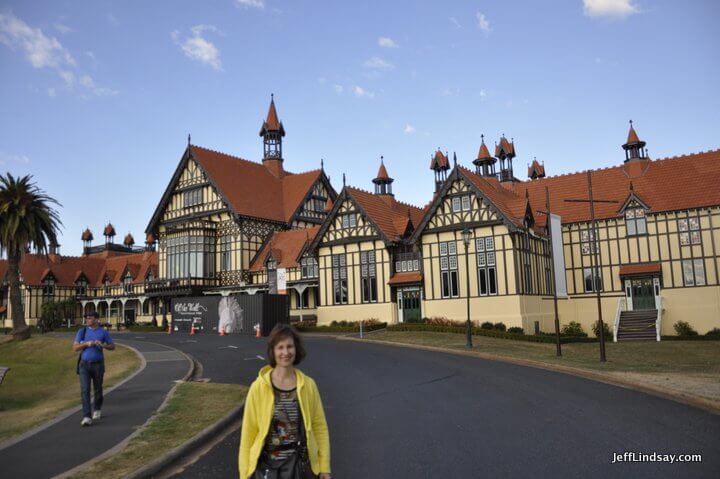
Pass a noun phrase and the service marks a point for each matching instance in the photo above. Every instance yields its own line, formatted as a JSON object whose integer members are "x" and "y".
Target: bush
{"x": 573, "y": 329}
{"x": 713, "y": 333}
{"x": 442, "y": 321}
{"x": 499, "y": 326}
{"x": 487, "y": 325}
{"x": 516, "y": 330}
{"x": 492, "y": 333}
{"x": 607, "y": 332}
{"x": 683, "y": 328}
{"x": 371, "y": 324}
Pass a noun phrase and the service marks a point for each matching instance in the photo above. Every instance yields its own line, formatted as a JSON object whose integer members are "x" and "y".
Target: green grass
{"x": 42, "y": 381}
{"x": 193, "y": 407}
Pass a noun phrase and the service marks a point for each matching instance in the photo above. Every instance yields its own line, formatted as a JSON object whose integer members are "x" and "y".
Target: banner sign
{"x": 281, "y": 281}
{"x": 558, "y": 256}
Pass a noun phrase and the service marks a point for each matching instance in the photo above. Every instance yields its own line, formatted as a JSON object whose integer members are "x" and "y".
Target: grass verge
{"x": 42, "y": 381}
{"x": 689, "y": 368}
{"x": 193, "y": 407}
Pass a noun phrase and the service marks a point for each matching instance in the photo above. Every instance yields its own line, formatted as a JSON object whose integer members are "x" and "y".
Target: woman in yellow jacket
{"x": 282, "y": 404}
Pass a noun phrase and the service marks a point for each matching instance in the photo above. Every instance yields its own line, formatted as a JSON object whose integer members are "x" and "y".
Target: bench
{"x": 3, "y": 372}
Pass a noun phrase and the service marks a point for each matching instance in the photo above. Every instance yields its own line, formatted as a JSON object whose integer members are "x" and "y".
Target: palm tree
{"x": 27, "y": 218}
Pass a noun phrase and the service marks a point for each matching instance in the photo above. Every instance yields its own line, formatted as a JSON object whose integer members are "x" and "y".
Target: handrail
{"x": 658, "y": 320}
{"x": 622, "y": 305}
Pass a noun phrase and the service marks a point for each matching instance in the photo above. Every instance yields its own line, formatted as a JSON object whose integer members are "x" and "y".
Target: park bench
{"x": 3, "y": 372}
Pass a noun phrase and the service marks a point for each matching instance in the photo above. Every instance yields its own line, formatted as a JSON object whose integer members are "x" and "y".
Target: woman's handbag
{"x": 296, "y": 466}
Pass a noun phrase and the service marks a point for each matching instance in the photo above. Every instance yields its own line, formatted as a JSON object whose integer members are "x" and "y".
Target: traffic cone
{"x": 192, "y": 330}
{"x": 222, "y": 331}
{"x": 257, "y": 332}
{"x": 169, "y": 328}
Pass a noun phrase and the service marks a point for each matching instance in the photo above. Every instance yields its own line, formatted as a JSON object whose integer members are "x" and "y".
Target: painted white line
{"x": 260, "y": 357}
{"x": 139, "y": 337}
{"x": 228, "y": 347}
{"x": 189, "y": 341}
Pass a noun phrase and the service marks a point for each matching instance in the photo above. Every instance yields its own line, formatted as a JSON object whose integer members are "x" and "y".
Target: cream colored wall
{"x": 698, "y": 306}
{"x": 385, "y": 312}
{"x": 504, "y": 309}
{"x": 584, "y": 311}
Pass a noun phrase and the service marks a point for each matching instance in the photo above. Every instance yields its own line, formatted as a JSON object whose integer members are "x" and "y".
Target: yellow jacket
{"x": 259, "y": 407}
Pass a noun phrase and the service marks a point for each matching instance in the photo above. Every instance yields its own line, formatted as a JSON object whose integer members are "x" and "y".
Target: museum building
{"x": 484, "y": 245}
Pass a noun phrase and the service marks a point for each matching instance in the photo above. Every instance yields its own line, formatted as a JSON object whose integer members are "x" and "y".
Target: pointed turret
{"x": 272, "y": 132}
{"x": 109, "y": 233}
{"x": 505, "y": 152}
{"x": 484, "y": 163}
{"x": 634, "y": 147}
{"x": 383, "y": 182}
{"x": 536, "y": 170}
{"x": 439, "y": 164}
{"x": 129, "y": 241}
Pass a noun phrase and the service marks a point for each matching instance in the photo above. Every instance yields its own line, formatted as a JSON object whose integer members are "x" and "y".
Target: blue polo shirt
{"x": 94, "y": 353}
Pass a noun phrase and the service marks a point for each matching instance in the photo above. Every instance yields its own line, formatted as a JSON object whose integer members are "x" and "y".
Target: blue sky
{"x": 98, "y": 96}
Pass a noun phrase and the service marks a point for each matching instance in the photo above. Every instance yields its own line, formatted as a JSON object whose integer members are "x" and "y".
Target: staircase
{"x": 637, "y": 325}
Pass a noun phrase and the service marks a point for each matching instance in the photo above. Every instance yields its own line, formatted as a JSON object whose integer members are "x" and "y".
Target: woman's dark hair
{"x": 280, "y": 332}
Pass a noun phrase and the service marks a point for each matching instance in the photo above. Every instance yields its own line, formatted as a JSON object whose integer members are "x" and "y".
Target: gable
{"x": 348, "y": 222}
{"x": 311, "y": 207}
{"x": 192, "y": 194}
{"x": 459, "y": 205}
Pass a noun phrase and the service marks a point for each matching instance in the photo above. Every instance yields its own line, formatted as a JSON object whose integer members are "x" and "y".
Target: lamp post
{"x": 466, "y": 233}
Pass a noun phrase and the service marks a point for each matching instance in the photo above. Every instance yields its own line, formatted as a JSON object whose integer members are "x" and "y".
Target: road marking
{"x": 229, "y": 346}
{"x": 139, "y": 337}
{"x": 189, "y": 341}
{"x": 253, "y": 359}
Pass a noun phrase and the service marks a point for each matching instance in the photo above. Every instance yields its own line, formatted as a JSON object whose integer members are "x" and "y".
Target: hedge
{"x": 549, "y": 338}
{"x": 338, "y": 329}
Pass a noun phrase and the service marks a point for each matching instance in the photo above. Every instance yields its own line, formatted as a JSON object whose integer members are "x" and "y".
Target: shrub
{"x": 499, "y": 326}
{"x": 487, "y": 325}
{"x": 442, "y": 321}
{"x": 574, "y": 329}
{"x": 516, "y": 330}
{"x": 607, "y": 332}
{"x": 713, "y": 333}
{"x": 683, "y": 328}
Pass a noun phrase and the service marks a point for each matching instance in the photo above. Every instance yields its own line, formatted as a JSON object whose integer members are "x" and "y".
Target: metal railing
{"x": 622, "y": 306}
{"x": 658, "y": 320}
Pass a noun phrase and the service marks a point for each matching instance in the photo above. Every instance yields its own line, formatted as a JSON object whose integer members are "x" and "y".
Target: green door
{"x": 411, "y": 306}
{"x": 643, "y": 296}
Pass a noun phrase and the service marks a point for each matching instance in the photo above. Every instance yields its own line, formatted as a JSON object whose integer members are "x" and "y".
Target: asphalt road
{"x": 404, "y": 413}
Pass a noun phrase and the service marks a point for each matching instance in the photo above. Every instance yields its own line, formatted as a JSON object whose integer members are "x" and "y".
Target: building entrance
{"x": 409, "y": 305}
{"x": 643, "y": 295}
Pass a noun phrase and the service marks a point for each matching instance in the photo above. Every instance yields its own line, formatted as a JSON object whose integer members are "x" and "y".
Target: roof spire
{"x": 322, "y": 165}
{"x": 343, "y": 180}
{"x": 454, "y": 159}
{"x": 188, "y": 139}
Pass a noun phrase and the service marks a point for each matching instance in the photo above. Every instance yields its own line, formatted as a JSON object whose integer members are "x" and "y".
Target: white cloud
{"x": 409, "y": 129}
{"x": 6, "y": 158}
{"x": 483, "y": 23}
{"x": 455, "y": 22}
{"x": 387, "y": 42}
{"x": 251, "y": 3}
{"x": 198, "y": 48}
{"x": 89, "y": 83}
{"x": 377, "y": 63}
{"x": 67, "y": 76}
{"x": 40, "y": 50}
{"x": 51, "y": 92}
{"x": 362, "y": 93}
{"x": 338, "y": 88}
{"x": 609, "y": 8}
{"x": 483, "y": 93}
{"x": 64, "y": 29}
{"x": 450, "y": 91}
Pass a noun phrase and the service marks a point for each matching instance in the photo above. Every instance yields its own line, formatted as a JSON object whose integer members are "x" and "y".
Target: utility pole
{"x": 548, "y": 214}
{"x": 595, "y": 259}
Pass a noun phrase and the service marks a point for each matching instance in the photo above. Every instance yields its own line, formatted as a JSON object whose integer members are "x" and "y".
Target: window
{"x": 192, "y": 197}
{"x": 309, "y": 267}
{"x": 339, "y": 274}
{"x": 318, "y": 204}
{"x": 487, "y": 272}
{"x": 693, "y": 272}
{"x": 127, "y": 284}
{"x": 586, "y": 241}
{"x": 349, "y": 221}
{"x": 146, "y": 307}
{"x": 191, "y": 256}
{"x": 407, "y": 262}
{"x": 48, "y": 290}
{"x": 635, "y": 221}
{"x": 106, "y": 284}
{"x": 226, "y": 252}
{"x": 588, "y": 274}
{"x": 448, "y": 269}
{"x": 271, "y": 264}
{"x": 367, "y": 276}
{"x": 461, "y": 203}
{"x": 81, "y": 287}
{"x": 689, "y": 229}
{"x": 466, "y": 203}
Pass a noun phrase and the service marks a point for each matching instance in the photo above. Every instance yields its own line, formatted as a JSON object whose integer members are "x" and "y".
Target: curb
{"x": 69, "y": 412}
{"x": 122, "y": 444}
{"x": 176, "y": 457}
{"x": 682, "y": 398}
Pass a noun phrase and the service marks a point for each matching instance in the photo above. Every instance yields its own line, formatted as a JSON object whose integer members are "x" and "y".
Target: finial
{"x": 482, "y": 138}
{"x": 272, "y": 97}
{"x": 343, "y": 180}
{"x": 382, "y": 160}
{"x": 454, "y": 159}
{"x": 630, "y": 123}
{"x": 188, "y": 139}
{"x": 322, "y": 165}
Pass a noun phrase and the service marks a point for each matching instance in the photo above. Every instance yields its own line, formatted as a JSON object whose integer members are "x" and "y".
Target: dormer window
{"x": 192, "y": 197}
{"x": 349, "y": 221}
{"x": 271, "y": 264}
{"x": 309, "y": 267}
{"x": 48, "y": 290}
{"x": 635, "y": 222}
{"x": 150, "y": 276}
{"x": 81, "y": 287}
{"x": 128, "y": 287}
{"x": 106, "y": 285}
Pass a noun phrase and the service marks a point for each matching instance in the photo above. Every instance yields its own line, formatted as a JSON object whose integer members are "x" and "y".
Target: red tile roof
{"x": 87, "y": 235}
{"x": 386, "y": 212}
{"x": 272, "y": 123}
{"x": 504, "y": 146}
{"x": 251, "y": 189}
{"x": 632, "y": 269}
{"x": 632, "y": 136}
{"x": 406, "y": 278}
{"x": 483, "y": 154}
{"x": 109, "y": 230}
{"x": 509, "y": 203}
{"x": 536, "y": 170}
{"x": 129, "y": 240}
{"x": 439, "y": 161}
{"x": 285, "y": 247}
{"x": 382, "y": 172}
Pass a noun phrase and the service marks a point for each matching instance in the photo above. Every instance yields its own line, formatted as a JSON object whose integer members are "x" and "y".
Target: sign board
{"x": 281, "y": 280}
{"x": 558, "y": 256}
{"x": 200, "y": 310}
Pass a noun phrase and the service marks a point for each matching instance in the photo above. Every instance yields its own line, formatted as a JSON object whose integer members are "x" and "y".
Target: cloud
{"x": 6, "y": 158}
{"x": 387, "y": 42}
{"x": 377, "y": 63}
{"x": 40, "y": 50}
{"x": 455, "y": 22}
{"x": 616, "y": 9}
{"x": 198, "y": 48}
{"x": 51, "y": 92}
{"x": 338, "y": 88}
{"x": 483, "y": 94}
{"x": 483, "y": 23}
{"x": 89, "y": 83}
{"x": 64, "y": 29}
{"x": 409, "y": 129}
{"x": 362, "y": 93}
{"x": 450, "y": 91}
{"x": 259, "y": 4}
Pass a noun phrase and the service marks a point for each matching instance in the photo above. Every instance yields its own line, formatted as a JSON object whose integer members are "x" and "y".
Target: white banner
{"x": 281, "y": 280}
{"x": 558, "y": 256}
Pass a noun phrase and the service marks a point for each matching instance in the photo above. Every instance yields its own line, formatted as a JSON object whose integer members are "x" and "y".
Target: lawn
{"x": 193, "y": 407}
{"x": 42, "y": 381}
{"x": 687, "y": 367}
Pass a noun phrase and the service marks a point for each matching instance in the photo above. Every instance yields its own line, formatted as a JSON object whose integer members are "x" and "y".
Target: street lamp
{"x": 466, "y": 233}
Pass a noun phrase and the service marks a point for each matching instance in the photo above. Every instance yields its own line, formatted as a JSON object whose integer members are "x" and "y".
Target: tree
{"x": 27, "y": 219}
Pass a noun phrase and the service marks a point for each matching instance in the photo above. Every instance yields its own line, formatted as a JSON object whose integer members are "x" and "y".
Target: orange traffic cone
{"x": 169, "y": 328}
{"x": 222, "y": 331}
{"x": 192, "y": 330}
{"x": 257, "y": 332}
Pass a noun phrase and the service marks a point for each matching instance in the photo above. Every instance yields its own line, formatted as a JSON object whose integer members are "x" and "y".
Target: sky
{"x": 98, "y": 97}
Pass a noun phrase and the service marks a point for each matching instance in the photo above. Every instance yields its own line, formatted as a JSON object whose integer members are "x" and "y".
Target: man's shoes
{"x": 96, "y": 415}
{"x": 86, "y": 422}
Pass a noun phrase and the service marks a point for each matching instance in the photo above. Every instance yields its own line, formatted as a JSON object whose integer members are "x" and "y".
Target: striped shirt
{"x": 284, "y": 425}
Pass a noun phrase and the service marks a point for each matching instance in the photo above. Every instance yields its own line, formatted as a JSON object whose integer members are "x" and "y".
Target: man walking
{"x": 91, "y": 340}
